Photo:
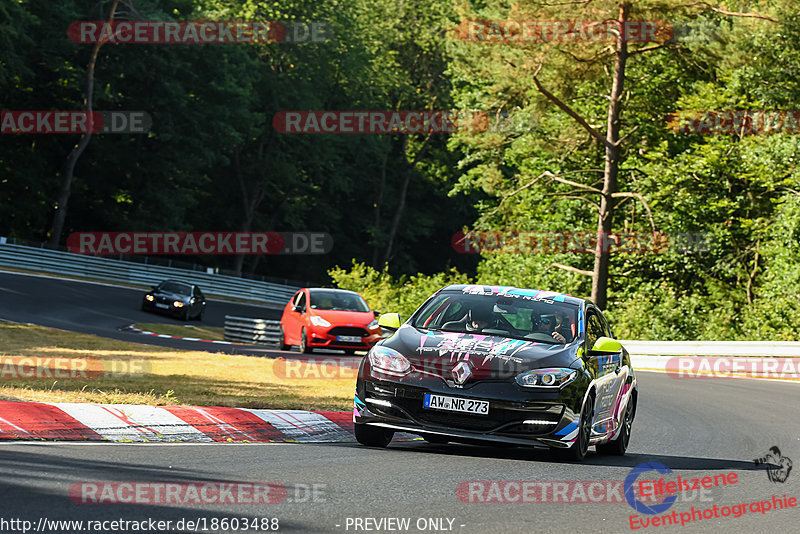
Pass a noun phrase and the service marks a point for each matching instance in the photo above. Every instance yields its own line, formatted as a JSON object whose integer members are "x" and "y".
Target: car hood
{"x": 436, "y": 353}
{"x": 339, "y": 317}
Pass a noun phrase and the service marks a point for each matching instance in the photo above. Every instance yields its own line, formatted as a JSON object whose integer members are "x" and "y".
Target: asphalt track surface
{"x": 695, "y": 427}
{"x": 104, "y": 309}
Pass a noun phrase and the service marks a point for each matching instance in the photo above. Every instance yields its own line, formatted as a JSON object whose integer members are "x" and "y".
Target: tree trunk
{"x": 401, "y": 205}
{"x": 611, "y": 171}
{"x": 378, "y": 201}
{"x": 250, "y": 203}
{"x": 60, "y": 215}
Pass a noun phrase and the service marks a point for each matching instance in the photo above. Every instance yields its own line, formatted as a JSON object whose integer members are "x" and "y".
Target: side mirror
{"x": 376, "y": 313}
{"x": 390, "y": 321}
{"x": 605, "y": 345}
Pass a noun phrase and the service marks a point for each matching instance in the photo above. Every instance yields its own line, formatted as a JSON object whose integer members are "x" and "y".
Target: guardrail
{"x": 712, "y": 348}
{"x": 111, "y": 270}
{"x": 766, "y": 360}
{"x": 250, "y": 330}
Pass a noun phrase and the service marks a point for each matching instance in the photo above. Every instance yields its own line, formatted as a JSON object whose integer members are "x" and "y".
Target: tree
{"x": 577, "y": 73}
{"x": 69, "y": 166}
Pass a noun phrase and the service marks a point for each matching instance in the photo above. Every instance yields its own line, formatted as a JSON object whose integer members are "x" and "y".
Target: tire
{"x": 372, "y": 436}
{"x": 577, "y": 452}
{"x": 282, "y": 341}
{"x": 349, "y": 352}
{"x": 185, "y": 315}
{"x": 619, "y": 445}
{"x": 304, "y": 348}
{"x": 200, "y": 315}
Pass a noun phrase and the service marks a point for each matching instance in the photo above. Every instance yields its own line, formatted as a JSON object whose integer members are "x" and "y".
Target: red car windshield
{"x": 337, "y": 300}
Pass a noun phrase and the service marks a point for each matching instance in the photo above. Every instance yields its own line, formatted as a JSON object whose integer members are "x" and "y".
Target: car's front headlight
{"x": 316, "y": 320}
{"x": 388, "y": 360}
{"x": 373, "y": 324}
{"x": 149, "y": 298}
{"x": 548, "y": 378}
{"x": 178, "y": 304}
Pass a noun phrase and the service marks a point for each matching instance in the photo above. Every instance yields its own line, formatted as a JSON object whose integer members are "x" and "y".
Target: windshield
{"x": 337, "y": 300}
{"x": 175, "y": 287}
{"x": 504, "y": 315}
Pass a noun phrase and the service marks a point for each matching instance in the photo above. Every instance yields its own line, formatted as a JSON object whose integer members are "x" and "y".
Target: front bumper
{"x": 152, "y": 306}
{"x": 323, "y": 338}
{"x": 547, "y": 419}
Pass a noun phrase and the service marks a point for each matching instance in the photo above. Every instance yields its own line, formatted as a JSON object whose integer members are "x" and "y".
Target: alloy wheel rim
{"x": 628, "y": 424}
{"x": 586, "y": 428}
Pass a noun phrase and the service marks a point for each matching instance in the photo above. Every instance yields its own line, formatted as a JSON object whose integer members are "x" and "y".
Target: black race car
{"x": 499, "y": 364}
{"x": 176, "y": 298}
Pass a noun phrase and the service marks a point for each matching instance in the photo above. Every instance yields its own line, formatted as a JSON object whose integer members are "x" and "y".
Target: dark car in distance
{"x": 179, "y": 299}
{"x": 503, "y": 365}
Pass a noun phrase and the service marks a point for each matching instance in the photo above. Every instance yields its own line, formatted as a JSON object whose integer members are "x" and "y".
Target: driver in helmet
{"x": 547, "y": 324}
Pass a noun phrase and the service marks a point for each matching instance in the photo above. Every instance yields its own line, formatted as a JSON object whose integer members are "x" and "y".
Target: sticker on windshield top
{"x": 548, "y": 297}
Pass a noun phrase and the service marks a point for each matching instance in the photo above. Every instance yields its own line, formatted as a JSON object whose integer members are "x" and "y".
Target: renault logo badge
{"x": 461, "y": 372}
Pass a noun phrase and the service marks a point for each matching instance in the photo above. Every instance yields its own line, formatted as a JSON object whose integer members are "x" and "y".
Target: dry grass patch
{"x": 122, "y": 372}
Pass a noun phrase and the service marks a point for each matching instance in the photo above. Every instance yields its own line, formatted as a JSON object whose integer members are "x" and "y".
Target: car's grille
{"x": 163, "y": 300}
{"x": 348, "y": 331}
{"x": 499, "y": 416}
{"x": 456, "y": 420}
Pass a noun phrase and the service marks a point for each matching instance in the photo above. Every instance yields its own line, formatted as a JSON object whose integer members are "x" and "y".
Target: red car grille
{"x": 348, "y": 331}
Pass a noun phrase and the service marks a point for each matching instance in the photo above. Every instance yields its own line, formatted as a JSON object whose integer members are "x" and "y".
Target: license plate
{"x": 454, "y": 404}
{"x": 164, "y": 306}
{"x": 349, "y": 339}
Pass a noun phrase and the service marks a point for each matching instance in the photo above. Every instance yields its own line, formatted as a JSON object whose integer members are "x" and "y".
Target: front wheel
{"x": 372, "y": 436}
{"x": 578, "y": 451}
{"x": 304, "y": 348}
{"x": 619, "y": 445}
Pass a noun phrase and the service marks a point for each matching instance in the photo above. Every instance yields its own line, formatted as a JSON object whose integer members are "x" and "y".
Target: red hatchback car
{"x": 330, "y": 319}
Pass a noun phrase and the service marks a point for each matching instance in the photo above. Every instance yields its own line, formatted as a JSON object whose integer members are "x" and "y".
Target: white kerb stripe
{"x": 304, "y": 426}
{"x": 128, "y": 422}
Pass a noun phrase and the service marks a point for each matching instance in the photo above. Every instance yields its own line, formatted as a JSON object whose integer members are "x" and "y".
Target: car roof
{"x": 511, "y": 290}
